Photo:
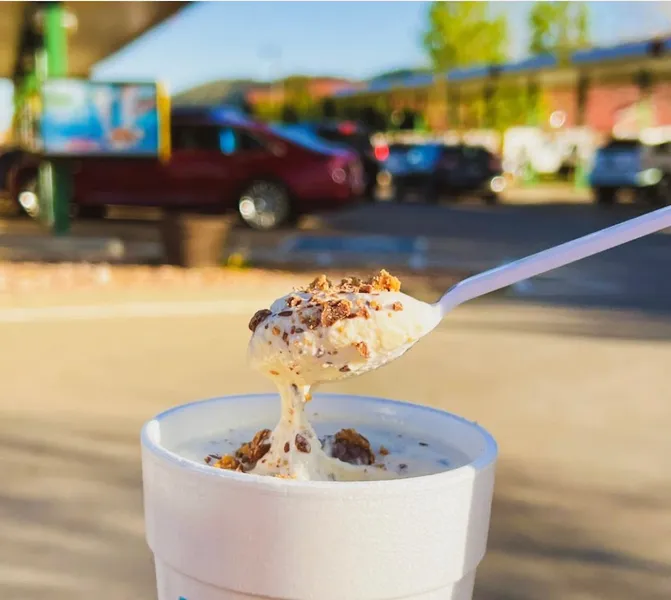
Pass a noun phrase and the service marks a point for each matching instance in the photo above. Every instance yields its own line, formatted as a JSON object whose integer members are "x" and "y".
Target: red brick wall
{"x": 604, "y": 102}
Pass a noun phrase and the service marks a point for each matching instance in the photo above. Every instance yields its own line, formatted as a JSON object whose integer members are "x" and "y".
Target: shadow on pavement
{"x": 552, "y": 541}
{"x": 71, "y": 516}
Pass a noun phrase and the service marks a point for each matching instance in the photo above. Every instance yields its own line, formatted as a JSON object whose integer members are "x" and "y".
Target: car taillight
{"x": 381, "y": 152}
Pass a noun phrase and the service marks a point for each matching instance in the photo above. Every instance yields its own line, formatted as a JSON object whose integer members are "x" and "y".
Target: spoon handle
{"x": 553, "y": 258}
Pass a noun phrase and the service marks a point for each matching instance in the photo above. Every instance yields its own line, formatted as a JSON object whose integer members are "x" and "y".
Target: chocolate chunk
{"x": 286, "y": 446}
{"x": 349, "y": 446}
{"x": 302, "y": 445}
{"x": 344, "y": 369}
{"x": 259, "y": 317}
{"x": 294, "y": 301}
{"x": 250, "y": 453}
{"x": 285, "y": 313}
{"x": 335, "y": 311}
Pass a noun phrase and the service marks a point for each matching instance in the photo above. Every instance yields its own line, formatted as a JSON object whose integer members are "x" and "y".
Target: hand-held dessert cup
{"x": 226, "y": 535}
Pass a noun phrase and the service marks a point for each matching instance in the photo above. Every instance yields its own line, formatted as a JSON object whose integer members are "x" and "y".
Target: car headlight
{"x": 649, "y": 177}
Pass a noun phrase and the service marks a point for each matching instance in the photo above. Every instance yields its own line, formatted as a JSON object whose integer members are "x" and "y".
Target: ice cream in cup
{"x": 326, "y": 498}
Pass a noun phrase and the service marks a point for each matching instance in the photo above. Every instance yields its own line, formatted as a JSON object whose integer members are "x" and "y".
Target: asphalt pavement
{"x": 576, "y": 398}
{"x": 568, "y": 374}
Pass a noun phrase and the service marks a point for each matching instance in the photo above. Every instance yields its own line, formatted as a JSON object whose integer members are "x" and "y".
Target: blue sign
{"x": 89, "y": 118}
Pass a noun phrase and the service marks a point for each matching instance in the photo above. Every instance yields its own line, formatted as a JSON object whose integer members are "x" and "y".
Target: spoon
{"x": 559, "y": 256}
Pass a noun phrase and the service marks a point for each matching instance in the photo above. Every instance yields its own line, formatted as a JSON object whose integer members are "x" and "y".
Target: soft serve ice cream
{"x": 320, "y": 333}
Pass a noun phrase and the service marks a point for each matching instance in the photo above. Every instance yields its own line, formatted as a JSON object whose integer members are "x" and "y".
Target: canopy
{"x": 102, "y": 29}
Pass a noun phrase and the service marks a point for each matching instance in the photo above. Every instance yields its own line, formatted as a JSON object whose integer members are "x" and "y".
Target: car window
{"x": 475, "y": 153}
{"x": 236, "y": 141}
{"x": 663, "y": 149}
{"x": 622, "y": 145}
{"x": 304, "y": 137}
{"x": 195, "y": 137}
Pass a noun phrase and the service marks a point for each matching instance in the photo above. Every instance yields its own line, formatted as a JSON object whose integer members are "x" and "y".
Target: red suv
{"x": 221, "y": 161}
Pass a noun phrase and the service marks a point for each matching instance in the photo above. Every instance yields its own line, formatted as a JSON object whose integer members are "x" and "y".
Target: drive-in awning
{"x": 102, "y": 29}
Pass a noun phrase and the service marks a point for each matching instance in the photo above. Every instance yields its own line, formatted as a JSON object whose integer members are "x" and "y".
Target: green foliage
{"x": 558, "y": 27}
{"x": 461, "y": 34}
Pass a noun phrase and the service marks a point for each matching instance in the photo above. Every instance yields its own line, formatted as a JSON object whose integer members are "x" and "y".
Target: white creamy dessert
{"x": 323, "y": 333}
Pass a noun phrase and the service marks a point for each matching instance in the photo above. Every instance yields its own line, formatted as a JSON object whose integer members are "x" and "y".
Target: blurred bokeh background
{"x": 169, "y": 168}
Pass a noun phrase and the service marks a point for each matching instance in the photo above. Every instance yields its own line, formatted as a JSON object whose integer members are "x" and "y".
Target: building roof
{"x": 621, "y": 52}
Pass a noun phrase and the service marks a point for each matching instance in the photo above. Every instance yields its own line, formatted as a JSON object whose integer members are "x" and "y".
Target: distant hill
{"x": 223, "y": 91}
{"x": 234, "y": 91}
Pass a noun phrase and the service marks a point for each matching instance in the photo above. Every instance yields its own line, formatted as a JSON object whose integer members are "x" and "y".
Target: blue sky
{"x": 213, "y": 40}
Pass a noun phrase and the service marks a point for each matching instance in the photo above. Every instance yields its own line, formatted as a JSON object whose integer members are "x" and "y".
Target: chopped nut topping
{"x": 386, "y": 282}
{"x": 375, "y": 305}
{"x": 276, "y": 330}
{"x": 319, "y": 284}
{"x": 302, "y": 445}
{"x": 228, "y": 462}
{"x": 286, "y": 446}
{"x": 383, "y": 451}
{"x": 273, "y": 372}
{"x": 362, "y": 347}
{"x": 259, "y": 317}
{"x": 397, "y": 306}
{"x": 345, "y": 369}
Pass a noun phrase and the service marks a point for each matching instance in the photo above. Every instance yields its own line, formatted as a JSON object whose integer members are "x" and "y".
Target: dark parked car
{"x": 436, "y": 170}
{"x": 357, "y": 137}
{"x": 627, "y": 165}
{"x": 221, "y": 161}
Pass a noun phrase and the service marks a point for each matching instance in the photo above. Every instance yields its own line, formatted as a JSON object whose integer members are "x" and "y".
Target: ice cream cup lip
{"x": 277, "y": 484}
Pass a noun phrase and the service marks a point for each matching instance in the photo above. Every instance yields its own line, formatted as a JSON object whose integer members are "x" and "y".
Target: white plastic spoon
{"x": 553, "y": 258}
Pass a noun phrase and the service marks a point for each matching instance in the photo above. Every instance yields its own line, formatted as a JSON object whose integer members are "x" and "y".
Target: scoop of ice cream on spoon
{"x": 327, "y": 331}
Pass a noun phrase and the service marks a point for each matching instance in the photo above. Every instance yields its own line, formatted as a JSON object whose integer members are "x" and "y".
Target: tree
{"x": 329, "y": 109}
{"x": 558, "y": 27}
{"x": 461, "y": 34}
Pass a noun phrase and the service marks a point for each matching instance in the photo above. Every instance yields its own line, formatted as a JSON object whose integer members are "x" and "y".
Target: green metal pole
{"x": 530, "y": 177}
{"x": 56, "y": 50}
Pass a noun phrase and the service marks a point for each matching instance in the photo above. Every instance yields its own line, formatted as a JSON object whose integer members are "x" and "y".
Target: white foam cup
{"x": 222, "y": 535}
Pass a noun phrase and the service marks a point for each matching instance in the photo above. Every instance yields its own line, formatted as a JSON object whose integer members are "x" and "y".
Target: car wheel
{"x": 265, "y": 205}
{"x": 663, "y": 191}
{"x": 605, "y": 196}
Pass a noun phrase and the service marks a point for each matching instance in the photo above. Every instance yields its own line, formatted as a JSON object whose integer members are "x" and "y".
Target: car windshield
{"x": 304, "y": 137}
